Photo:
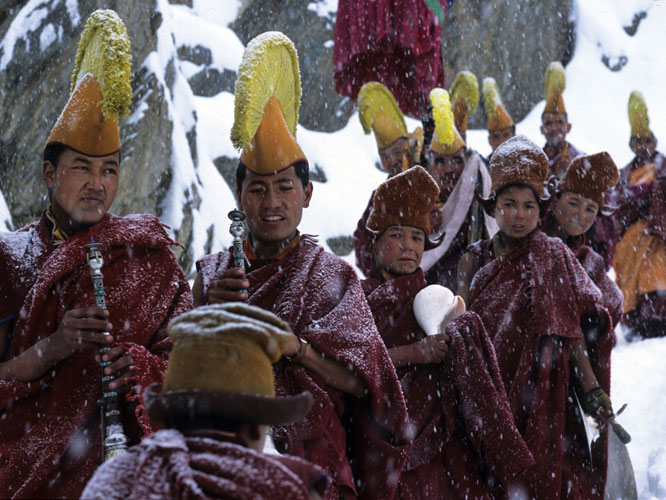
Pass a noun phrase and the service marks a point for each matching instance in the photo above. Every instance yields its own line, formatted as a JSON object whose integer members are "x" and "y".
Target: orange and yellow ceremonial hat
{"x": 638, "y": 116}
{"x": 101, "y": 88}
{"x": 465, "y": 98}
{"x": 378, "y": 111}
{"x": 446, "y": 140}
{"x": 555, "y": 84}
{"x": 266, "y": 105}
{"x": 498, "y": 117}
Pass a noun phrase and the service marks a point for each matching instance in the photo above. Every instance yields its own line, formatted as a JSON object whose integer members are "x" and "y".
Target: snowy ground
{"x": 596, "y": 99}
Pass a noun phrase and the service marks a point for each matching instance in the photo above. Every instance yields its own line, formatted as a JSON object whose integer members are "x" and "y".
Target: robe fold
{"x": 465, "y": 435}
{"x": 169, "y": 465}
{"x": 533, "y": 301}
{"x": 50, "y": 439}
{"x": 363, "y": 237}
{"x": 320, "y": 297}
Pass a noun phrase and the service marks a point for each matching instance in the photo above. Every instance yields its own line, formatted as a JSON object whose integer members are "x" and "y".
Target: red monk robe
{"x": 459, "y": 410}
{"x": 363, "y": 238}
{"x": 50, "y": 440}
{"x": 533, "y": 300}
{"x": 169, "y": 465}
{"x": 320, "y": 297}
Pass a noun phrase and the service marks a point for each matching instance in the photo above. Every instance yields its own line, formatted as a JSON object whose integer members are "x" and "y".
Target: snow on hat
{"x": 405, "y": 199}
{"x": 590, "y": 176}
{"x": 498, "y": 117}
{"x": 446, "y": 140}
{"x": 221, "y": 365}
{"x": 555, "y": 84}
{"x": 465, "y": 98}
{"x": 638, "y": 116}
{"x": 518, "y": 161}
{"x": 266, "y": 104}
{"x": 101, "y": 88}
{"x": 378, "y": 111}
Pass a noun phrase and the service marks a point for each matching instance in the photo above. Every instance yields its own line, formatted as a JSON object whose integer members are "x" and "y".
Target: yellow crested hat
{"x": 638, "y": 116}
{"x": 446, "y": 140}
{"x": 498, "y": 117}
{"x": 555, "y": 84}
{"x": 101, "y": 88}
{"x": 378, "y": 111}
{"x": 465, "y": 98}
{"x": 267, "y": 100}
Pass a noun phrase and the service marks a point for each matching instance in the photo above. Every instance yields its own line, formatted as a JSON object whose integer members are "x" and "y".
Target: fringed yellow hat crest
{"x": 465, "y": 98}
{"x": 267, "y": 100}
{"x": 379, "y": 112}
{"x": 101, "y": 88}
{"x": 555, "y": 84}
{"x": 446, "y": 140}
{"x": 416, "y": 139}
{"x": 638, "y": 116}
{"x": 498, "y": 117}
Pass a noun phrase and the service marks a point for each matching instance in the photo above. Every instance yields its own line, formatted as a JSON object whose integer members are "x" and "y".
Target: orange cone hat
{"x": 378, "y": 111}
{"x": 101, "y": 88}
{"x": 498, "y": 117}
{"x": 267, "y": 100}
{"x": 555, "y": 84}
{"x": 465, "y": 98}
{"x": 446, "y": 140}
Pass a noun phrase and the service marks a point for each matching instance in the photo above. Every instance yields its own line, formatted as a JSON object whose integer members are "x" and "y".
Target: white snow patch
{"x": 73, "y": 11}
{"x": 28, "y": 20}
{"x": 324, "y": 8}
{"x": 5, "y": 215}
{"x": 47, "y": 37}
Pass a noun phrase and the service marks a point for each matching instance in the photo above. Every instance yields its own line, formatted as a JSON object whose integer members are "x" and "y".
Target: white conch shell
{"x": 431, "y": 306}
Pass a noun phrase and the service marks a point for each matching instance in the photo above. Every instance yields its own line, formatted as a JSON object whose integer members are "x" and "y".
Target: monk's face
{"x": 555, "y": 127}
{"x": 273, "y": 205}
{"x": 643, "y": 147}
{"x": 399, "y": 249}
{"x": 575, "y": 213}
{"x": 82, "y": 187}
{"x": 446, "y": 170}
{"x": 497, "y": 137}
{"x": 517, "y": 211}
{"x": 395, "y": 157}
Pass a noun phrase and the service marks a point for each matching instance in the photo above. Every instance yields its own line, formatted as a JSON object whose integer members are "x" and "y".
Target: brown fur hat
{"x": 405, "y": 199}
{"x": 590, "y": 176}
{"x": 517, "y": 161}
{"x": 221, "y": 366}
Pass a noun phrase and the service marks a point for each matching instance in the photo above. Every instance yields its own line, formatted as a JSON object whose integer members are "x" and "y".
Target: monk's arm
{"x": 334, "y": 373}
{"x": 80, "y": 328}
{"x": 465, "y": 276}
{"x": 585, "y": 375}
{"x": 197, "y": 290}
{"x": 431, "y": 349}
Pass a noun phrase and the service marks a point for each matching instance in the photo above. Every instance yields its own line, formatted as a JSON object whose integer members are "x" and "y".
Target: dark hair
{"x": 53, "y": 151}
{"x": 301, "y": 168}
{"x": 489, "y": 204}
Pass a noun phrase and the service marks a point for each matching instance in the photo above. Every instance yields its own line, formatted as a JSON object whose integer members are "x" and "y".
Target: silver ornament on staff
{"x": 239, "y": 232}
{"x": 114, "y": 440}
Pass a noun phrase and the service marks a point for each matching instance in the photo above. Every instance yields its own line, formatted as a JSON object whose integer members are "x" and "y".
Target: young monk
{"x": 533, "y": 295}
{"x": 465, "y": 436}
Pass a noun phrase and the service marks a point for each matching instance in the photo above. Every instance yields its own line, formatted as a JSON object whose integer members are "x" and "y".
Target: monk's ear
{"x": 308, "y": 194}
{"x": 49, "y": 174}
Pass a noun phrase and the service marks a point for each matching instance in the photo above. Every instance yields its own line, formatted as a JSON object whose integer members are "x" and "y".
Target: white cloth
{"x": 456, "y": 208}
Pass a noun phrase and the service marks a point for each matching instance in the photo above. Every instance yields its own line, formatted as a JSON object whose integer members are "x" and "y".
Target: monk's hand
{"x": 82, "y": 329}
{"x": 119, "y": 365}
{"x": 226, "y": 287}
{"x": 431, "y": 349}
{"x": 597, "y": 404}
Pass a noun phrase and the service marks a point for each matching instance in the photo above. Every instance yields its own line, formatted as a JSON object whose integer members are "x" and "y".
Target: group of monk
{"x": 361, "y": 402}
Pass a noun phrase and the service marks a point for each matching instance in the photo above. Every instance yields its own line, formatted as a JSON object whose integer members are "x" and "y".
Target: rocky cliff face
{"x": 162, "y": 138}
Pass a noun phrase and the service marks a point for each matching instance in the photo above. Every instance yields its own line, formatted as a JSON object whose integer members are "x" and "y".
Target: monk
{"x": 338, "y": 355}
{"x": 50, "y": 328}
{"x": 217, "y": 400}
{"x": 398, "y": 150}
{"x": 451, "y": 383}
{"x": 640, "y": 220}
{"x": 501, "y": 126}
{"x": 533, "y": 298}
{"x": 457, "y": 220}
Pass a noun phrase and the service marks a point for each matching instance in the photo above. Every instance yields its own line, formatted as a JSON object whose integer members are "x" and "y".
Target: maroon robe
{"x": 320, "y": 297}
{"x": 50, "y": 440}
{"x": 168, "y": 465}
{"x": 533, "y": 300}
{"x": 458, "y": 408}
{"x": 559, "y": 161}
{"x": 363, "y": 238}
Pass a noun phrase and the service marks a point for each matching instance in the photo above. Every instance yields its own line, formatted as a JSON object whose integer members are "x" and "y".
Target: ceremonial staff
{"x": 238, "y": 230}
{"x": 114, "y": 440}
